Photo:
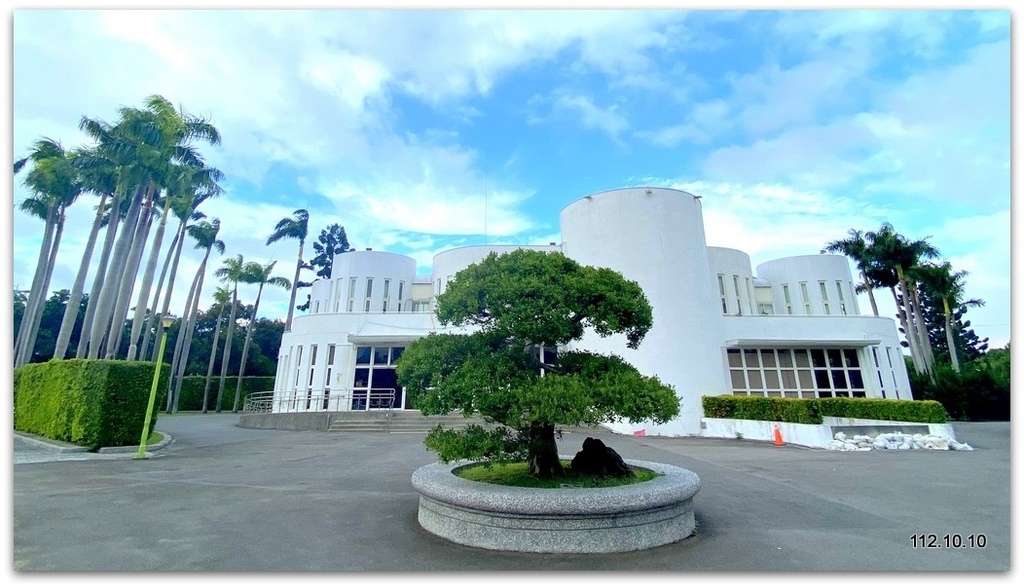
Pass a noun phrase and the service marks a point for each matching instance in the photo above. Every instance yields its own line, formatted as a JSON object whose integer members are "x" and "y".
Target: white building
{"x": 791, "y": 329}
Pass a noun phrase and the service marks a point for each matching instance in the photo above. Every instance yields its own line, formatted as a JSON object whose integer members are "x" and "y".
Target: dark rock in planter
{"x": 597, "y": 459}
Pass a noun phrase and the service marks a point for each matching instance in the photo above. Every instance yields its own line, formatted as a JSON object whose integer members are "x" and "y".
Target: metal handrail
{"x": 323, "y": 400}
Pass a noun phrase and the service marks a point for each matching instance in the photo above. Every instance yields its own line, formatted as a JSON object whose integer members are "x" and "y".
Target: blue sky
{"x": 422, "y": 130}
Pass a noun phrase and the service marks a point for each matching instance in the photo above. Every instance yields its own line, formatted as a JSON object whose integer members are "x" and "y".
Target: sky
{"x": 422, "y": 130}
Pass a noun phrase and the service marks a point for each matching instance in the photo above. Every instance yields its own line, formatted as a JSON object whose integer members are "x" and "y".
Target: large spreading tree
{"x": 519, "y": 307}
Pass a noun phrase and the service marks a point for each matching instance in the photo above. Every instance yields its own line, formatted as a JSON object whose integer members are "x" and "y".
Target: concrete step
{"x": 400, "y": 421}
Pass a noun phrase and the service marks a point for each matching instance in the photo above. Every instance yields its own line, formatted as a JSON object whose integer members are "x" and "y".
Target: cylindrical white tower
{"x": 373, "y": 281}
{"x": 811, "y": 285}
{"x": 655, "y": 236}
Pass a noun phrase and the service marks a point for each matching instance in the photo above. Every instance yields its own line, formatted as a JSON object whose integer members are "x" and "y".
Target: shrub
{"x": 193, "y": 386}
{"x": 811, "y": 410}
{"x": 93, "y": 403}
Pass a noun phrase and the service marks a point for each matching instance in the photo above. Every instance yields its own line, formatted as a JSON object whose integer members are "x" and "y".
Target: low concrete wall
{"x": 558, "y": 520}
{"x": 292, "y": 421}
{"x": 818, "y": 436}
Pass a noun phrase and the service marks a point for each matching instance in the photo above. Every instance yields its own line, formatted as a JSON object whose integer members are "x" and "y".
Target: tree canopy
{"x": 523, "y": 308}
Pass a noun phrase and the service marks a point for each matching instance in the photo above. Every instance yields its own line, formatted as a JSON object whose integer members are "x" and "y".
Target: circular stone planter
{"x": 557, "y": 520}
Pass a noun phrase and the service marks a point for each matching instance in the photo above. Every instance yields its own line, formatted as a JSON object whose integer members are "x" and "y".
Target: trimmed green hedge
{"x": 193, "y": 386}
{"x": 88, "y": 402}
{"x": 811, "y": 410}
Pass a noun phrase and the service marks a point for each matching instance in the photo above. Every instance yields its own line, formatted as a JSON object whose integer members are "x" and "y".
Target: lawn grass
{"x": 517, "y": 474}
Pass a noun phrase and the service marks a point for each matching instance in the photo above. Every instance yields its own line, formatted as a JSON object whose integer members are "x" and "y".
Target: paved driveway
{"x": 224, "y": 498}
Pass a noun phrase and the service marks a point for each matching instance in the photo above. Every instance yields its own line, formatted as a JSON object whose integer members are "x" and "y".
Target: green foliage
{"x": 192, "y": 389}
{"x": 93, "y": 403}
{"x": 519, "y": 303}
{"x": 759, "y": 408}
{"x": 811, "y": 410}
{"x": 518, "y": 474}
{"x": 980, "y": 392}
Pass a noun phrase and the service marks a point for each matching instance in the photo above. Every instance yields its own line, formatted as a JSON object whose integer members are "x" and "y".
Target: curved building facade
{"x": 791, "y": 330}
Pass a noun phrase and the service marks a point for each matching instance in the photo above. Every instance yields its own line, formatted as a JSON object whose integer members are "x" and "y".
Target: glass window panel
{"x": 839, "y": 379}
{"x": 738, "y": 383}
{"x": 856, "y": 379}
{"x": 789, "y": 379}
{"x": 818, "y": 358}
{"x": 363, "y": 355}
{"x": 771, "y": 380}
{"x": 805, "y": 379}
{"x": 396, "y": 352}
{"x": 835, "y": 358}
{"x": 851, "y": 357}
{"x": 801, "y": 358}
{"x": 369, "y": 287}
{"x": 768, "y": 357}
{"x": 755, "y": 380}
{"x": 750, "y": 356}
{"x": 821, "y": 379}
{"x": 734, "y": 358}
{"x": 380, "y": 355}
{"x": 384, "y": 378}
{"x": 362, "y": 378}
{"x": 785, "y": 358}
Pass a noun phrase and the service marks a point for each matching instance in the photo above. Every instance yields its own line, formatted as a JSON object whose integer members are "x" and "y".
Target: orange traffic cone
{"x": 778, "y": 436}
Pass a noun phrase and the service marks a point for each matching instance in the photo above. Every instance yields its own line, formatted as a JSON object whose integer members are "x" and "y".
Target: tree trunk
{"x": 291, "y": 302}
{"x": 213, "y": 359}
{"x": 35, "y": 292}
{"x": 109, "y": 283}
{"x": 871, "y": 294}
{"x": 147, "y": 284}
{"x": 543, "y": 452}
{"x": 227, "y": 349}
{"x": 190, "y": 330}
{"x": 67, "y": 323}
{"x": 37, "y": 315}
{"x": 147, "y": 331}
{"x": 97, "y": 281}
{"x": 901, "y": 313}
{"x": 128, "y": 277}
{"x": 922, "y": 331}
{"x": 950, "y": 339}
{"x": 170, "y": 286}
{"x": 245, "y": 348}
{"x": 179, "y": 343}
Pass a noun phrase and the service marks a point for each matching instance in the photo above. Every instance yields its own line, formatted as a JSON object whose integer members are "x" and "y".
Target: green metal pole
{"x": 152, "y": 398}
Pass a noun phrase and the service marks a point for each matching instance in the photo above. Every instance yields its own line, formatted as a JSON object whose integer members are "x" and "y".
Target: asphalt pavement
{"x": 222, "y": 498}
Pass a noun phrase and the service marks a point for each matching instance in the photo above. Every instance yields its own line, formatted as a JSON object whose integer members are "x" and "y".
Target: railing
{"x": 311, "y": 400}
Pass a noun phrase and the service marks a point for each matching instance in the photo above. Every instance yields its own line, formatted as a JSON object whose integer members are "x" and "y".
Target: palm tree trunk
{"x": 245, "y": 348}
{"x": 170, "y": 286}
{"x": 37, "y": 316}
{"x": 902, "y": 314}
{"x": 191, "y": 325}
{"x": 147, "y": 284}
{"x": 871, "y": 294}
{"x": 922, "y": 330}
{"x": 179, "y": 343}
{"x": 227, "y": 349}
{"x": 84, "y": 339}
{"x": 128, "y": 277}
{"x": 67, "y": 323}
{"x": 148, "y": 330}
{"x": 108, "y": 289}
{"x": 954, "y": 356}
{"x": 35, "y": 293}
{"x": 213, "y": 359}
{"x": 295, "y": 282}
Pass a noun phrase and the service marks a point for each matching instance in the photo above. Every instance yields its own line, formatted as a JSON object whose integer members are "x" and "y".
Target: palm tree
{"x": 856, "y": 248}
{"x": 891, "y": 257}
{"x": 98, "y": 182}
{"x": 296, "y": 227}
{"x": 231, "y": 273}
{"x": 55, "y": 184}
{"x": 221, "y": 297}
{"x": 260, "y": 275}
{"x": 160, "y": 161}
{"x": 942, "y": 282}
{"x": 205, "y": 235}
{"x": 184, "y": 181}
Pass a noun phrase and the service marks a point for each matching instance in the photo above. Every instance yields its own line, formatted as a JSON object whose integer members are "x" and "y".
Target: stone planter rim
{"x": 675, "y": 484}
